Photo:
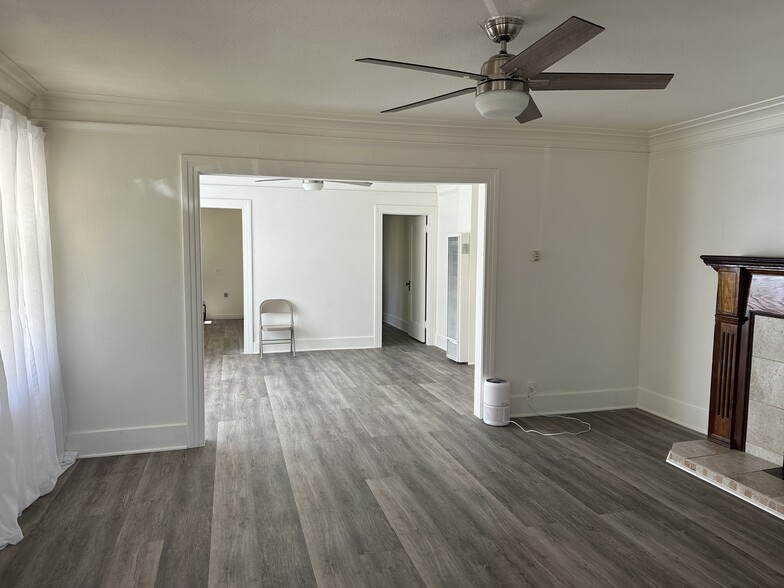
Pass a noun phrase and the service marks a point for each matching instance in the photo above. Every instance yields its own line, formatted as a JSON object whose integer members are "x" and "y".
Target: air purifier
{"x": 497, "y": 398}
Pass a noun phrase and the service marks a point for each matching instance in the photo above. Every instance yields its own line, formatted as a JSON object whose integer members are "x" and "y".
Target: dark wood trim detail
{"x": 774, "y": 263}
{"x": 746, "y": 286}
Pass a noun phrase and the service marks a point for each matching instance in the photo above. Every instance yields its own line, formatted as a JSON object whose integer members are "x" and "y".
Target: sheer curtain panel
{"x": 32, "y": 410}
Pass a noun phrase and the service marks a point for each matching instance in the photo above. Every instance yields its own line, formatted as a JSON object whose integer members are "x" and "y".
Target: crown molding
{"x": 54, "y": 110}
{"x": 755, "y": 120}
{"x": 17, "y": 88}
{"x": 120, "y": 114}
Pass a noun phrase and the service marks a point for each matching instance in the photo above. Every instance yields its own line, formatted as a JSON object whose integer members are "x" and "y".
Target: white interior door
{"x": 417, "y": 305}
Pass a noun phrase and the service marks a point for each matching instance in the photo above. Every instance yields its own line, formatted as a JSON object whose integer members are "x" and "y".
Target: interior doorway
{"x": 227, "y": 264}
{"x": 404, "y": 274}
{"x": 221, "y": 263}
{"x": 410, "y": 283}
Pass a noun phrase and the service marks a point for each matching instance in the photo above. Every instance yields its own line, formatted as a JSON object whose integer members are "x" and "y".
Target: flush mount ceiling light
{"x": 501, "y": 99}
{"x": 315, "y": 185}
{"x": 503, "y": 85}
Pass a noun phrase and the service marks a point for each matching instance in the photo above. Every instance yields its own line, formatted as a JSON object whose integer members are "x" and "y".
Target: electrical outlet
{"x": 225, "y": 294}
{"x": 531, "y": 388}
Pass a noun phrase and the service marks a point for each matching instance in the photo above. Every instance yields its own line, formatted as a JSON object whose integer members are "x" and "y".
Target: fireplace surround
{"x": 747, "y": 287}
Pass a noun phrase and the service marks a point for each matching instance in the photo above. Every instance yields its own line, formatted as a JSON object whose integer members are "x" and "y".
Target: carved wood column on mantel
{"x": 747, "y": 286}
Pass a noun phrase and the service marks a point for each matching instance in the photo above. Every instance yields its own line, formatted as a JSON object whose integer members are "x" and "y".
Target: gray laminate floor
{"x": 365, "y": 468}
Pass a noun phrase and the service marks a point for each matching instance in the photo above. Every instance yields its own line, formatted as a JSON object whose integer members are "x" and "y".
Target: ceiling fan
{"x": 504, "y": 84}
{"x": 316, "y": 184}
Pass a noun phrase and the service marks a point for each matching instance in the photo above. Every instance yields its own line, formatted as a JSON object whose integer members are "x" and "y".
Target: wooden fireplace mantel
{"x": 747, "y": 286}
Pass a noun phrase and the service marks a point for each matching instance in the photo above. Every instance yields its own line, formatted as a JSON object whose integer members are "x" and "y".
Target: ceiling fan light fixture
{"x": 312, "y": 185}
{"x": 501, "y": 103}
{"x": 503, "y": 83}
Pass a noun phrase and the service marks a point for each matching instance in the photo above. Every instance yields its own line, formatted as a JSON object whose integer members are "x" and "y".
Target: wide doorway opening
{"x": 352, "y": 273}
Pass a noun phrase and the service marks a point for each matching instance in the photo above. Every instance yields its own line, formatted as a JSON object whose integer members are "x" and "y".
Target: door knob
{"x": 409, "y": 285}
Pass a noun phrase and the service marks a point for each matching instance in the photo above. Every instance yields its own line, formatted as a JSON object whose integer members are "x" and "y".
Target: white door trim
{"x": 193, "y": 165}
{"x": 431, "y": 212}
{"x": 245, "y": 207}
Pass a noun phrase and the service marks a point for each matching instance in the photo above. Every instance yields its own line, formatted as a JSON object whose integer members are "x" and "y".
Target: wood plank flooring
{"x": 366, "y": 468}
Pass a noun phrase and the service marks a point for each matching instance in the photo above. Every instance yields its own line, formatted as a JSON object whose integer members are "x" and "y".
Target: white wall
{"x": 396, "y": 271}
{"x": 571, "y": 322}
{"x": 316, "y": 250}
{"x": 221, "y": 260}
{"x": 565, "y": 317}
{"x": 703, "y": 198}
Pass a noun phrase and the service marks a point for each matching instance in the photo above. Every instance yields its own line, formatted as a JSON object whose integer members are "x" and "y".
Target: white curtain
{"x": 32, "y": 410}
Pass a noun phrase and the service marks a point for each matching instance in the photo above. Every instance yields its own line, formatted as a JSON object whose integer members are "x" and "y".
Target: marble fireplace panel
{"x": 765, "y": 428}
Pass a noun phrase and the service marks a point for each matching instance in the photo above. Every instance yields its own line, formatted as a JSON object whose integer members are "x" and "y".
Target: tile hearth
{"x": 736, "y": 472}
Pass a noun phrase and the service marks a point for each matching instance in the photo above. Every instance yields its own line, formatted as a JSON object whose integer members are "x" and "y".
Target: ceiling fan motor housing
{"x": 492, "y": 67}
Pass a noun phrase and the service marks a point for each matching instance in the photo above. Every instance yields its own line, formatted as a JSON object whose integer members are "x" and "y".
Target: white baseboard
{"x": 677, "y": 411}
{"x": 441, "y": 341}
{"x": 224, "y": 317}
{"x": 575, "y": 402}
{"x": 125, "y": 441}
{"x": 395, "y": 321}
{"x": 319, "y": 344}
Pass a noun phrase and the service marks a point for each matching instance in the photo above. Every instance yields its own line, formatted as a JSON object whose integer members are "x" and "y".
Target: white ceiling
{"x": 297, "y": 56}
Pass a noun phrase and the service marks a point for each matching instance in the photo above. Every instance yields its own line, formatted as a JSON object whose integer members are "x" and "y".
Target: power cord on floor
{"x": 551, "y": 416}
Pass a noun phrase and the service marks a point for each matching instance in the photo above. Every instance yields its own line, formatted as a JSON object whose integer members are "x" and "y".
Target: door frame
{"x": 193, "y": 165}
{"x": 431, "y": 214}
{"x": 245, "y": 208}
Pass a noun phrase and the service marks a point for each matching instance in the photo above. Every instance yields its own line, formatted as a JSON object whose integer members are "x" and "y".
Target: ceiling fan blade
{"x": 365, "y": 184}
{"x": 530, "y": 113}
{"x": 426, "y": 68}
{"x": 600, "y": 81}
{"x": 431, "y": 100}
{"x": 272, "y": 180}
{"x": 554, "y": 46}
